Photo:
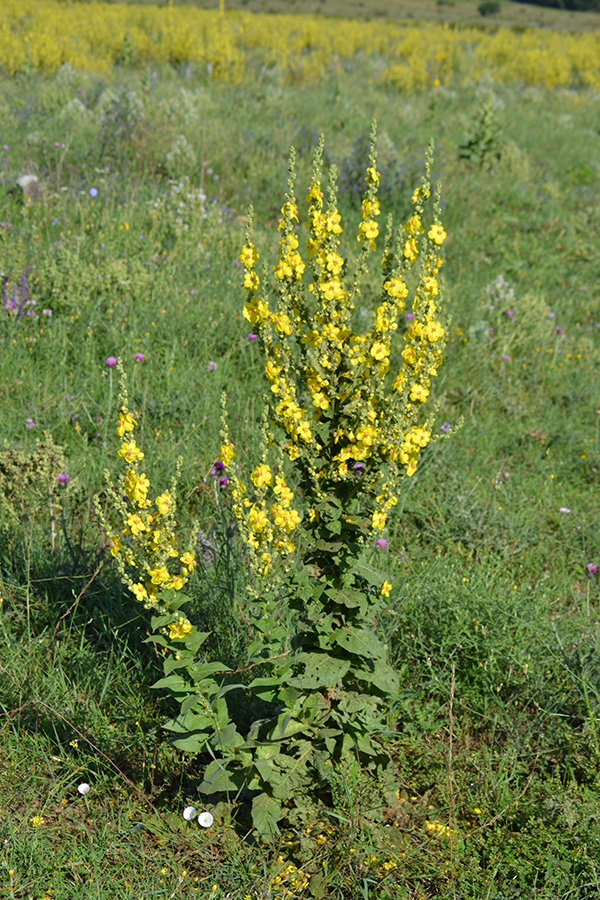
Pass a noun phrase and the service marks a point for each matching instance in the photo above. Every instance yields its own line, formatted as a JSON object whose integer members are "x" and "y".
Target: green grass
{"x": 493, "y": 620}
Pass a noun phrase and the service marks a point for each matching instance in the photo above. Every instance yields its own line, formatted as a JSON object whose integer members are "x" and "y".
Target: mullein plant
{"x": 347, "y": 416}
{"x": 345, "y": 421}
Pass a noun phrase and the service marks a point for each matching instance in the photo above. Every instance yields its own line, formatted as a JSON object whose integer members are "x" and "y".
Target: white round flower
{"x": 205, "y": 819}
{"x": 189, "y": 813}
{"x": 84, "y": 788}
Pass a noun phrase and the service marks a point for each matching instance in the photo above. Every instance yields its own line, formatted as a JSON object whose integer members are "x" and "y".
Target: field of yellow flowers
{"x": 304, "y": 47}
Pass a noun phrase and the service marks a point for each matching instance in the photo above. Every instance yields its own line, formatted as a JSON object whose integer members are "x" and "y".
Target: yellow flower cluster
{"x": 147, "y": 542}
{"x": 266, "y": 519}
{"x": 95, "y": 36}
{"x": 311, "y": 348}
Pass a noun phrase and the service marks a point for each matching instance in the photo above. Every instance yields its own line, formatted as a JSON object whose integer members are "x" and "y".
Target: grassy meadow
{"x": 124, "y": 243}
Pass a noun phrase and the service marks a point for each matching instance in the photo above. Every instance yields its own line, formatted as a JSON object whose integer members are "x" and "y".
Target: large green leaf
{"x": 192, "y": 743}
{"x": 361, "y": 642}
{"x": 265, "y": 815}
{"x": 217, "y": 779}
{"x": 383, "y": 677}
{"x": 320, "y": 670}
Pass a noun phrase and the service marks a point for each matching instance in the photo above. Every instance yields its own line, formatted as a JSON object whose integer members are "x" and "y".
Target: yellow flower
{"x": 139, "y": 591}
{"x": 134, "y": 524}
{"x": 368, "y": 230}
{"x": 379, "y": 350}
{"x": 396, "y": 288}
{"x": 188, "y": 560}
{"x": 179, "y": 629}
{"x": 176, "y": 583}
{"x": 372, "y": 175}
{"x": 378, "y": 520}
{"x": 430, "y": 286}
{"x": 36, "y": 821}
{"x": 251, "y": 280}
{"x": 249, "y": 256}
{"x": 386, "y": 588}
{"x": 413, "y": 226}
{"x": 125, "y": 423}
{"x": 437, "y": 234}
{"x": 418, "y": 393}
{"x": 163, "y": 503}
{"x": 159, "y": 575}
{"x": 410, "y": 250}
{"x": 262, "y": 476}
{"x": 320, "y": 400}
{"x": 227, "y": 454}
{"x": 130, "y": 451}
{"x": 286, "y": 519}
{"x": 434, "y": 332}
{"x": 257, "y": 519}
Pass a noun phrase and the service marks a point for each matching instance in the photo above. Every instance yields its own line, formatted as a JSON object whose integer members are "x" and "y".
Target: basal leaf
{"x": 265, "y": 814}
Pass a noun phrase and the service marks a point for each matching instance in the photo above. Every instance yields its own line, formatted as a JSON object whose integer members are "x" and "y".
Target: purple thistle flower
{"x": 63, "y": 478}
{"x": 139, "y": 357}
{"x": 409, "y": 316}
{"x": 510, "y": 313}
{"x": 251, "y": 336}
{"x": 30, "y": 424}
{"x": 380, "y": 544}
{"x": 592, "y": 568}
{"x": 219, "y": 466}
{"x": 505, "y": 357}
{"x": 212, "y": 366}
{"x": 110, "y": 361}
{"x": 223, "y": 480}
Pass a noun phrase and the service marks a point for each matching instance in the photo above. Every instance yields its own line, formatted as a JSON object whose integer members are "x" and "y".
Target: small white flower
{"x": 189, "y": 813}
{"x": 205, "y": 819}
{"x": 84, "y": 788}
